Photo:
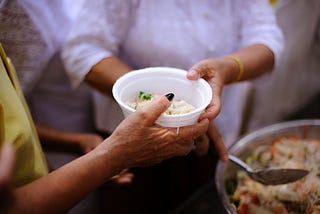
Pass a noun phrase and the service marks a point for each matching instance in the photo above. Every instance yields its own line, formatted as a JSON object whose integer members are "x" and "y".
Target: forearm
{"x": 245, "y": 64}
{"x": 58, "y": 139}
{"x": 63, "y": 188}
{"x": 103, "y": 75}
{"x": 256, "y": 59}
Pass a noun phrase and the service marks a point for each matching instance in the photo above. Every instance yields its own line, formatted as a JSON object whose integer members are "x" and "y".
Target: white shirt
{"x": 33, "y": 32}
{"x": 176, "y": 33}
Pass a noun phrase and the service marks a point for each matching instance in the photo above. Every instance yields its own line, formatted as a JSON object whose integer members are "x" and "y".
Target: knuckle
{"x": 143, "y": 114}
{"x": 163, "y": 104}
{"x": 170, "y": 136}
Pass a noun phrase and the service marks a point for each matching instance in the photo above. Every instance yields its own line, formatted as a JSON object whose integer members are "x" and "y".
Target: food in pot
{"x": 176, "y": 107}
{"x": 302, "y": 196}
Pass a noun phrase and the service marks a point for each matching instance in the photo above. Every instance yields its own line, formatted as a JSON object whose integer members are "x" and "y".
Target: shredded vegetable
{"x": 302, "y": 196}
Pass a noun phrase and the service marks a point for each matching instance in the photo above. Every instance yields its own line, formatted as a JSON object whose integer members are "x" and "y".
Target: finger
{"x": 199, "y": 70}
{"x": 214, "y": 107}
{"x": 215, "y": 136}
{"x": 192, "y": 132}
{"x": 153, "y": 110}
{"x": 123, "y": 178}
{"x": 182, "y": 148}
{"x": 7, "y": 160}
{"x": 187, "y": 147}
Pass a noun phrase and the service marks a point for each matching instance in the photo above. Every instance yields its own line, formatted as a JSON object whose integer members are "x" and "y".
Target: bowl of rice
{"x": 137, "y": 88}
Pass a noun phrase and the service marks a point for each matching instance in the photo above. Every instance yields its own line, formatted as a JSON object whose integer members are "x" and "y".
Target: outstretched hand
{"x": 145, "y": 143}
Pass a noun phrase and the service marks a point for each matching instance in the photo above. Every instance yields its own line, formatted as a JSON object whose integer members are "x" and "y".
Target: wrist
{"x": 108, "y": 159}
{"x": 113, "y": 153}
{"x": 227, "y": 69}
{"x": 239, "y": 70}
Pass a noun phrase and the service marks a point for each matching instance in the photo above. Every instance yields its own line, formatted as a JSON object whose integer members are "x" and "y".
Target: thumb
{"x": 154, "y": 110}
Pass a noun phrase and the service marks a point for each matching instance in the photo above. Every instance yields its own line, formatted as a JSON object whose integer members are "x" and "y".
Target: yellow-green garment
{"x": 16, "y": 127}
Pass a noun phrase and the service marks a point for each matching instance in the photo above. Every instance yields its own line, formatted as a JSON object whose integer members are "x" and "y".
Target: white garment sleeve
{"x": 96, "y": 34}
{"x": 259, "y": 25}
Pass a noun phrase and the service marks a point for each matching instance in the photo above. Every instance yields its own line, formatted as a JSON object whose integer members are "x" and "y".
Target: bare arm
{"x": 63, "y": 188}
{"x": 103, "y": 75}
{"x": 54, "y": 139}
{"x": 148, "y": 144}
{"x": 256, "y": 59}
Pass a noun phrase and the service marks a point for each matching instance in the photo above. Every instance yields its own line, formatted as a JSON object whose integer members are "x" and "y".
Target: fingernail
{"x": 170, "y": 96}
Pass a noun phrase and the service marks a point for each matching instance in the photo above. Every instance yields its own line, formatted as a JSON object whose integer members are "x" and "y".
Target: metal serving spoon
{"x": 271, "y": 176}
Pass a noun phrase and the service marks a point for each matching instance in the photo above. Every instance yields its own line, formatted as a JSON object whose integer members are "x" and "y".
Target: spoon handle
{"x": 240, "y": 163}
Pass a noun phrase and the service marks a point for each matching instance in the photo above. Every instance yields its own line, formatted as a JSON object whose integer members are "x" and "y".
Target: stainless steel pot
{"x": 265, "y": 136}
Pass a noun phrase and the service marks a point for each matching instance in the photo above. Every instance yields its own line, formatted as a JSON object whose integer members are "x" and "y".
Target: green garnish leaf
{"x": 145, "y": 96}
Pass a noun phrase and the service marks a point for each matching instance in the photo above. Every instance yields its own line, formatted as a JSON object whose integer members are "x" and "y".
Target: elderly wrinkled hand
{"x": 143, "y": 143}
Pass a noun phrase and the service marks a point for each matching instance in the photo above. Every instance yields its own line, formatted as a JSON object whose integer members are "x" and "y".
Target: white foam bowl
{"x": 161, "y": 81}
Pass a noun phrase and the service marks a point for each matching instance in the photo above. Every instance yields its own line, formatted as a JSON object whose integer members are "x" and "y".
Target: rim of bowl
{"x": 170, "y": 70}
